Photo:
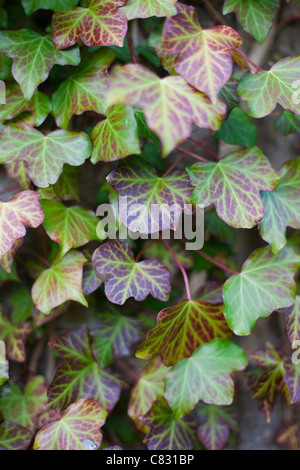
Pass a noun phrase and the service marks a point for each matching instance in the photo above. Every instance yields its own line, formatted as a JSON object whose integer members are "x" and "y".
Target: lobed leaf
{"x": 215, "y": 425}
{"x": 13, "y": 436}
{"x": 147, "y": 8}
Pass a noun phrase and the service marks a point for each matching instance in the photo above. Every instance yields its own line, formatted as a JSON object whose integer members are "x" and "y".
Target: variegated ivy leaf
{"x": 282, "y": 206}
{"x": 292, "y": 321}
{"x": 204, "y": 57}
{"x": 182, "y": 329}
{"x": 264, "y": 90}
{"x": 114, "y": 334}
{"x": 101, "y": 24}
{"x": 20, "y": 211}
{"x": 30, "y": 6}
{"x": 67, "y": 186}
{"x": 90, "y": 279}
{"x": 80, "y": 376}
{"x": 45, "y": 155}
{"x": 6, "y": 262}
{"x": 215, "y": 425}
{"x": 4, "y": 375}
{"x": 170, "y": 105}
{"x": 25, "y": 408}
{"x": 167, "y": 432}
{"x": 34, "y": 57}
{"x": 149, "y": 387}
{"x": 204, "y": 376}
{"x": 13, "y": 436}
{"x": 77, "y": 429}
{"x": 39, "y": 105}
{"x": 127, "y": 278}
{"x": 147, "y": 8}
{"x": 61, "y": 282}
{"x": 85, "y": 89}
{"x": 292, "y": 380}
{"x": 290, "y": 436}
{"x": 266, "y": 283}
{"x": 141, "y": 191}
{"x": 70, "y": 227}
{"x": 167, "y": 59}
{"x": 255, "y": 16}
{"x": 14, "y": 337}
{"x": 117, "y": 136}
{"x": 288, "y": 123}
{"x": 18, "y": 172}
{"x": 233, "y": 185}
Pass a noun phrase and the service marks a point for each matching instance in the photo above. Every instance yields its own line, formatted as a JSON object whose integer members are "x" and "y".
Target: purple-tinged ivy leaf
{"x": 18, "y": 172}
{"x": 101, "y": 24}
{"x": 14, "y": 337}
{"x": 264, "y": 90}
{"x": 20, "y": 211}
{"x": 145, "y": 8}
{"x": 182, "y": 329}
{"x": 142, "y": 191}
{"x": 167, "y": 432}
{"x": 80, "y": 376}
{"x": 61, "y": 282}
{"x": 7, "y": 260}
{"x": 114, "y": 334}
{"x": 127, "y": 278}
{"x": 292, "y": 320}
{"x": 13, "y": 436}
{"x": 215, "y": 425}
{"x": 77, "y": 429}
{"x": 85, "y": 89}
{"x": 289, "y": 436}
{"x": 90, "y": 279}
{"x": 117, "y": 136}
{"x": 266, "y": 283}
{"x": 44, "y": 155}
{"x": 282, "y": 206}
{"x": 33, "y": 57}
{"x": 149, "y": 387}
{"x": 233, "y": 185}
{"x": 170, "y": 104}
{"x": 292, "y": 380}
{"x": 204, "y": 376}
{"x": 204, "y": 57}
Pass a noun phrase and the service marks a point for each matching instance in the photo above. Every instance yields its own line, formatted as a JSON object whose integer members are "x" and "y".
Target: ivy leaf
{"x": 170, "y": 105}
{"x": 61, "y": 282}
{"x": 292, "y": 380}
{"x": 33, "y": 57}
{"x": 30, "y": 6}
{"x": 292, "y": 319}
{"x": 14, "y": 437}
{"x": 290, "y": 436}
{"x": 67, "y": 186}
{"x": 39, "y": 105}
{"x": 238, "y": 129}
{"x": 79, "y": 376}
{"x": 90, "y": 279}
{"x": 159, "y": 251}
{"x": 255, "y": 16}
{"x": 264, "y": 90}
{"x": 282, "y": 206}
{"x": 23, "y": 209}
{"x": 147, "y": 8}
{"x": 44, "y": 155}
{"x": 71, "y": 227}
{"x": 215, "y": 425}
{"x": 22, "y": 305}
{"x": 19, "y": 173}
{"x": 4, "y": 375}
{"x": 149, "y": 387}
{"x": 204, "y": 57}
{"x": 233, "y": 185}
{"x": 266, "y": 283}
{"x": 25, "y": 408}
{"x": 146, "y": 189}
{"x": 101, "y": 24}
{"x": 114, "y": 334}
{"x": 77, "y": 429}
{"x": 288, "y": 123}
{"x": 117, "y": 136}
{"x": 6, "y": 262}
{"x": 167, "y": 432}
{"x": 15, "y": 337}
{"x": 204, "y": 376}
{"x": 126, "y": 278}
{"x": 85, "y": 89}
{"x": 182, "y": 329}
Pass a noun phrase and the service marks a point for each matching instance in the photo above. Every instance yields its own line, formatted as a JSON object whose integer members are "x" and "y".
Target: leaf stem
{"x": 207, "y": 149}
{"x": 130, "y": 49}
{"x": 174, "y": 165}
{"x": 250, "y": 61}
{"x": 184, "y": 274}
{"x": 191, "y": 154}
{"x": 217, "y": 263}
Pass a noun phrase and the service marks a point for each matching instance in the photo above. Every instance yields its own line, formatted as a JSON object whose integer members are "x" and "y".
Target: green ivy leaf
{"x": 61, "y": 282}
{"x": 288, "y": 123}
{"x": 238, "y": 129}
{"x": 34, "y": 57}
{"x": 22, "y": 305}
{"x": 30, "y": 6}
{"x": 255, "y": 16}
{"x": 266, "y": 283}
{"x": 77, "y": 429}
{"x": 116, "y": 137}
{"x": 15, "y": 337}
{"x": 204, "y": 376}
{"x": 147, "y": 8}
